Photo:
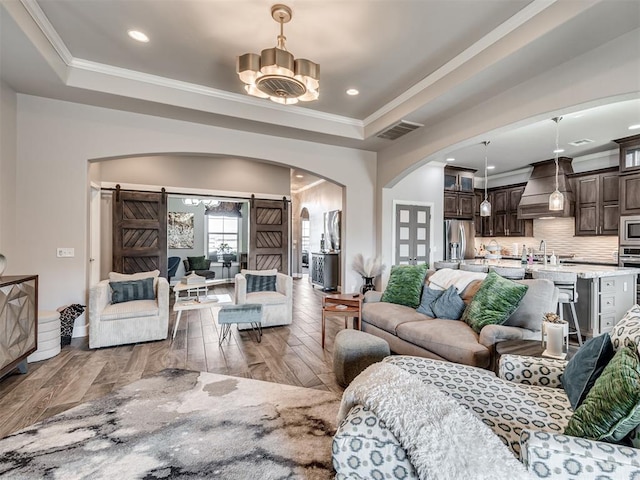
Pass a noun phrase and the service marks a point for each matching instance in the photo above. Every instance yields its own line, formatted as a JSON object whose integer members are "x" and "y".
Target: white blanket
{"x": 442, "y": 439}
{"x": 445, "y": 277}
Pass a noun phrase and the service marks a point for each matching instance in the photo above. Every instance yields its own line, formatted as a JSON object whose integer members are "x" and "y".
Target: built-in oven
{"x": 629, "y": 256}
{"x": 630, "y": 230}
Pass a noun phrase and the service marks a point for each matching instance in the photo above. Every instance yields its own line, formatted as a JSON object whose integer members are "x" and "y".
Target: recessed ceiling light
{"x": 491, "y": 167}
{"x": 352, "y": 91}
{"x": 634, "y": 127}
{"x": 559, "y": 150}
{"x": 299, "y": 176}
{"x": 451, "y": 159}
{"x": 138, "y": 35}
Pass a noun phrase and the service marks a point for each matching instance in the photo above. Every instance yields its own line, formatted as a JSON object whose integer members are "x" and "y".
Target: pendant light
{"x": 485, "y": 206}
{"x": 556, "y": 199}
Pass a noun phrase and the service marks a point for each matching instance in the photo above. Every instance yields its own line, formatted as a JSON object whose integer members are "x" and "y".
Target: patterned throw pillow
{"x": 585, "y": 367}
{"x": 627, "y": 330}
{"x": 494, "y": 302}
{"x": 405, "y": 285}
{"x": 197, "y": 263}
{"x": 449, "y": 305}
{"x": 132, "y": 290}
{"x": 260, "y": 283}
{"x": 612, "y": 407}
{"x": 428, "y": 296}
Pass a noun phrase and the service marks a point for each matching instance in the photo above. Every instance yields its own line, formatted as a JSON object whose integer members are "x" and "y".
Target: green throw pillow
{"x": 611, "y": 409}
{"x": 405, "y": 285}
{"x": 197, "y": 263}
{"x": 494, "y": 302}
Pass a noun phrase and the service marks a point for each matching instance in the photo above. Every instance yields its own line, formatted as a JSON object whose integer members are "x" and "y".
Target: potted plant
{"x": 225, "y": 250}
{"x": 368, "y": 269}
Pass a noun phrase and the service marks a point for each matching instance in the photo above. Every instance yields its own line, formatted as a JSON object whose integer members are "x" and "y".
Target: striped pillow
{"x": 260, "y": 283}
{"x": 132, "y": 290}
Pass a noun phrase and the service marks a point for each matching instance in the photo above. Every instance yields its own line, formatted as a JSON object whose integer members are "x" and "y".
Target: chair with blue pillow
{"x": 271, "y": 289}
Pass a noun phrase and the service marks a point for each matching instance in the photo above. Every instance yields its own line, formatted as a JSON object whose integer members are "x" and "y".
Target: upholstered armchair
{"x": 203, "y": 272}
{"x": 273, "y": 290}
{"x": 131, "y": 320}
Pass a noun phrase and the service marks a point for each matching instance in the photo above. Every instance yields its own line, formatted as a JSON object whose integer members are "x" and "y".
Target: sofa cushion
{"x": 470, "y": 290}
{"x": 537, "y": 301}
{"x": 611, "y": 409}
{"x": 494, "y": 302}
{"x": 132, "y": 290}
{"x": 130, "y": 310}
{"x": 198, "y": 263}
{"x": 454, "y": 341}
{"x": 428, "y": 296}
{"x": 272, "y": 271}
{"x": 627, "y": 330}
{"x": 260, "y": 283}
{"x": 387, "y": 316}
{"x": 123, "y": 277}
{"x": 266, "y": 298}
{"x": 585, "y": 367}
{"x": 405, "y": 285}
{"x": 449, "y": 305}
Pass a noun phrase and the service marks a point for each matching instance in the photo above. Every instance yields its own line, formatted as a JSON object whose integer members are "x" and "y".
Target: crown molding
{"x": 311, "y": 185}
{"x": 38, "y": 16}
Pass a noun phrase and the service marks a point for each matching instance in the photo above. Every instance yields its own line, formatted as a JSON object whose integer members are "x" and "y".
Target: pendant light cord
{"x": 486, "y": 147}
{"x": 557, "y": 120}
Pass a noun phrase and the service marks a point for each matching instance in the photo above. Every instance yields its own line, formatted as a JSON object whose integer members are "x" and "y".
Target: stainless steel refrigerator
{"x": 459, "y": 236}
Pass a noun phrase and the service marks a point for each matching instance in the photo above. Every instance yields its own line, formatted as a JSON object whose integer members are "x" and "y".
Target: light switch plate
{"x": 66, "y": 252}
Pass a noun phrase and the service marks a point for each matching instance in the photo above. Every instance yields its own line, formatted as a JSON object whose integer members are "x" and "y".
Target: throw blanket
{"x": 442, "y": 439}
{"x": 445, "y": 277}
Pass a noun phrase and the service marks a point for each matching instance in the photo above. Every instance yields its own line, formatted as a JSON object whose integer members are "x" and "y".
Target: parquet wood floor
{"x": 290, "y": 354}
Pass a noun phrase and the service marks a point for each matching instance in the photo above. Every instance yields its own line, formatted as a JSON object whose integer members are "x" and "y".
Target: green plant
{"x": 224, "y": 248}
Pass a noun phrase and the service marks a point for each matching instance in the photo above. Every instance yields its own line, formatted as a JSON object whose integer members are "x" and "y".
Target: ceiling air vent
{"x": 579, "y": 143}
{"x": 398, "y": 130}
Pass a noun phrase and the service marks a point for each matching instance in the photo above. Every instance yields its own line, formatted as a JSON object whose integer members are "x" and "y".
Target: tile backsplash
{"x": 559, "y": 234}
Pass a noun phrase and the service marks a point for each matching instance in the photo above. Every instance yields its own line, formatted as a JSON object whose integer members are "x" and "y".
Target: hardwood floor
{"x": 290, "y": 355}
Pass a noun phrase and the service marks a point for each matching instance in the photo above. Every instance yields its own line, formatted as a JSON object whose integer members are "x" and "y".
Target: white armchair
{"x": 277, "y": 307}
{"x": 128, "y": 322}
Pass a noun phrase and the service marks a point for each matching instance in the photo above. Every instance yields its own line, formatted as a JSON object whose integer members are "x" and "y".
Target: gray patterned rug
{"x": 182, "y": 424}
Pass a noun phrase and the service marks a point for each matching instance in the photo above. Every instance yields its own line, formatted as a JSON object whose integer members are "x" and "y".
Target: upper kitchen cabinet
{"x": 505, "y": 212}
{"x": 597, "y": 202}
{"x": 629, "y": 175}
{"x": 458, "y": 193}
{"x": 458, "y": 179}
{"x": 484, "y": 225}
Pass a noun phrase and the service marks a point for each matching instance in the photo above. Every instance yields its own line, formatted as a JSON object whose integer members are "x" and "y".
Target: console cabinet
{"x": 325, "y": 270}
{"x": 18, "y": 321}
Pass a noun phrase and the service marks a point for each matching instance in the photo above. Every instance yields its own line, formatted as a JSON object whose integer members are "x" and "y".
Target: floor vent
{"x": 578, "y": 143}
{"x": 398, "y": 130}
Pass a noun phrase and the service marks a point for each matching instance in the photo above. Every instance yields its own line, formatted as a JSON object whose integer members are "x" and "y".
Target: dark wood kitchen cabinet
{"x": 597, "y": 202}
{"x": 483, "y": 225}
{"x": 458, "y": 205}
{"x": 458, "y": 179}
{"x": 629, "y": 181}
{"x": 505, "y": 201}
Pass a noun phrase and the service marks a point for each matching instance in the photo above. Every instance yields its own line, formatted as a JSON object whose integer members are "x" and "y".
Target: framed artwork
{"x": 180, "y": 230}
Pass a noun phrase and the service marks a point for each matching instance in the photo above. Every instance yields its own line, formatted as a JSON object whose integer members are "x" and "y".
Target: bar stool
{"x": 512, "y": 273}
{"x": 566, "y": 282}
{"x": 474, "y": 267}
{"x": 445, "y": 264}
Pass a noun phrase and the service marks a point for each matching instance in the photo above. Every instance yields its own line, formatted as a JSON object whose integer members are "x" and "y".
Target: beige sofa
{"x": 411, "y": 333}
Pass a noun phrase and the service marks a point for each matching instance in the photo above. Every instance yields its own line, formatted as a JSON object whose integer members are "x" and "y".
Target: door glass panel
{"x": 403, "y": 262}
{"x": 632, "y": 158}
{"x": 421, "y": 233}
{"x": 422, "y": 217}
{"x": 404, "y": 216}
{"x": 404, "y": 233}
{"x": 404, "y": 250}
{"x": 422, "y": 250}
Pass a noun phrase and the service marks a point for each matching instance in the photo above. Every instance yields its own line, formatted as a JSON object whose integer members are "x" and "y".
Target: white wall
{"x": 423, "y": 186}
{"x": 56, "y": 139}
{"x": 8, "y": 156}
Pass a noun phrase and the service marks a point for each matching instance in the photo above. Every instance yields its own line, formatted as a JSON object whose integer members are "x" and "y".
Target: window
{"x": 222, "y": 230}
{"x": 305, "y": 234}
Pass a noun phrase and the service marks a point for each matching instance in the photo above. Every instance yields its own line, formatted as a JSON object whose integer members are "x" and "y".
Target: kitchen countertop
{"x": 569, "y": 260}
{"x": 583, "y": 271}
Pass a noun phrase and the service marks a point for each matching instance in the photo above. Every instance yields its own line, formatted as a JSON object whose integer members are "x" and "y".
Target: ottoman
{"x": 353, "y": 351}
{"x": 247, "y": 313}
{"x": 48, "y": 336}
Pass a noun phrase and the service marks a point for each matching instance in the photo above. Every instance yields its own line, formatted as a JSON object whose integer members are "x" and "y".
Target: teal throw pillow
{"x": 132, "y": 290}
{"x": 449, "y": 305}
{"x": 585, "y": 367}
{"x": 428, "y": 296}
{"x": 405, "y": 285}
{"x": 260, "y": 283}
{"x": 496, "y": 299}
{"x": 611, "y": 409}
{"x": 197, "y": 263}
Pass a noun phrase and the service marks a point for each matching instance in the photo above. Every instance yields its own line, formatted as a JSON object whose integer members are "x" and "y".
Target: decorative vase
{"x": 367, "y": 285}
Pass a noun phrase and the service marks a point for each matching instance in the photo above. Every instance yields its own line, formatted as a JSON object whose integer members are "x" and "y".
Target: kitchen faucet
{"x": 543, "y": 247}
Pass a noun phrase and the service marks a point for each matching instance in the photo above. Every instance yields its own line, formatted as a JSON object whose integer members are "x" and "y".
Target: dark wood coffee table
{"x": 532, "y": 348}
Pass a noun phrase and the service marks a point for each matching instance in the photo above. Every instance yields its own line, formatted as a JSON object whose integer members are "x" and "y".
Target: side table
{"x": 346, "y": 305}
{"x": 531, "y": 348}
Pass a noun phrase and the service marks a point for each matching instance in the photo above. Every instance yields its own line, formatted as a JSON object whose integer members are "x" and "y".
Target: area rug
{"x": 182, "y": 424}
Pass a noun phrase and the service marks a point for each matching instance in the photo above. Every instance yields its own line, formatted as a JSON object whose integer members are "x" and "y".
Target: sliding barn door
{"x": 140, "y": 232}
{"x": 269, "y": 240}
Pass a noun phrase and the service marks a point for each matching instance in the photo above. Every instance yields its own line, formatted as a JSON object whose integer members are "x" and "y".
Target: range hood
{"x": 542, "y": 183}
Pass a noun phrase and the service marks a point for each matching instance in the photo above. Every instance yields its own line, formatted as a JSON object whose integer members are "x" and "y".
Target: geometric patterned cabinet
{"x": 18, "y": 321}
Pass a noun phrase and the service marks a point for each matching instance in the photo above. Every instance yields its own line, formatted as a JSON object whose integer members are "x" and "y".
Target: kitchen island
{"x": 605, "y": 292}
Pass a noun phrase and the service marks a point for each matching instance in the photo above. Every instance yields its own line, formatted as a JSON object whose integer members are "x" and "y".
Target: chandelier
{"x": 194, "y": 202}
{"x": 485, "y": 206}
{"x": 275, "y": 74}
{"x": 556, "y": 199}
